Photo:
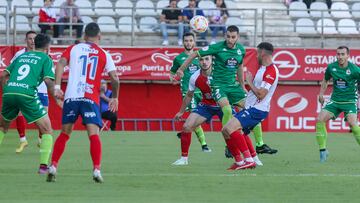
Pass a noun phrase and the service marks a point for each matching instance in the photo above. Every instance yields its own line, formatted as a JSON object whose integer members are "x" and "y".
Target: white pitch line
{"x": 197, "y": 175}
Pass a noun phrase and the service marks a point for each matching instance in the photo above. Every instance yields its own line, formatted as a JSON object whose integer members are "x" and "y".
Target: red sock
{"x": 185, "y": 143}
{"x": 20, "y": 125}
{"x": 59, "y": 148}
{"x": 95, "y": 150}
{"x": 250, "y": 145}
{"x": 241, "y": 143}
{"x": 231, "y": 144}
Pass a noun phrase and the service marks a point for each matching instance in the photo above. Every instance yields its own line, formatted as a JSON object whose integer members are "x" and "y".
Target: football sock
{"x": 2, "y": 134}
{"x": 241, "y": 143}
{"x": 250, "y": 145}
{"x": 95, "y": 150}
{"x": 356, "y": 133}
{"x": 227, "y": 114}
{"x": 200, "y": 135}
{"x": 185, "y": 143}
{"x": 258, "y": 135}
{"x": 20, "y": 126}
{"x": 321, "y": 134}
{"x": 59, "y": 148}
{"x": 235, "y": 151}
{"x": 45, "y": 148}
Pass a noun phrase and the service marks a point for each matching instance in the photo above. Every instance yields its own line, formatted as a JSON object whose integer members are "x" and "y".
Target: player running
{"x": 228, "y": 90}
{"x": 20, "y": 81}
{"x": 189, "y": 45}
{"x": 345, "y": 76}
{"x": 257, "y": 107}
{"x": 87, "y": 61}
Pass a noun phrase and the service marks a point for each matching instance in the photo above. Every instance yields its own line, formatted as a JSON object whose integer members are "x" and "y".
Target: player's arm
{"x": 240, "y": 75}
{"x": 324, "y": 84}
{"x": 180, "y": 71}
{"x": 59, "y": 71}
{"x": 115, "y": 85}
{"x": 4, "y": 77}
{"x": 260, "y": 92}
{"x": 186, "y": 101}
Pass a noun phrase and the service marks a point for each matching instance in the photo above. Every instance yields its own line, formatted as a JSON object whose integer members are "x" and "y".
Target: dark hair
{"x": 344, "y": 47}
{"x": 223, "y": 6}
{"x": 172, "y": 1}
{"x": 267, "y": 47}
{"x": 188, "y": 34}
{"x": 232, "y": 28}
{"x": 41, "y": 41}
{"x": 92, "y": 29}
{"x": 29, "y": 32}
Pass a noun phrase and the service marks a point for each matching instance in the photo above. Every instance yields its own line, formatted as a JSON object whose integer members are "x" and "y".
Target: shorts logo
{"x": 90, "y": 114}
{"x": 284, "y": 99}
{"x": 70, "y": 114}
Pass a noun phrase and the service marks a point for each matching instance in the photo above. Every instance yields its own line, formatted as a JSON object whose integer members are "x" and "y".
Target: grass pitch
{"x": 137, "y": 168}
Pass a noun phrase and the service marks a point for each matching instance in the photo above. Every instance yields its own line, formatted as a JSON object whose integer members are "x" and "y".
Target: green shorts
{"x": 194, "y": 101}
{"x": 234, "y": 94}
{"x": 335, "y": 108}
{"x": 30, "y": 107}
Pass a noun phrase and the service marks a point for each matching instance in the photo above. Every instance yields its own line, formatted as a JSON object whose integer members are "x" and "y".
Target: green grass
{"x": 137, "y": 168}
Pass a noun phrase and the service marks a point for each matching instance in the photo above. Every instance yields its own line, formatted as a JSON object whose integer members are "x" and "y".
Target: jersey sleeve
{"x": 175, "y": 66}
{"x": 48, "y": 70}
{"x": 327, "y": 75}
{"x": 208, "y": 50}
{"x": 10, "y": 68}
{"x": 192, "y": 83}
{"x": 110, "y": 65}
{"x": 269, "y": 78}
{"x": 243, "y": 53}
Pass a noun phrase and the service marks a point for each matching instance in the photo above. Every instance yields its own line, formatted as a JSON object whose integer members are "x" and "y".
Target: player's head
{"x": 29, "y": 39}
{"x": 189, "y": 41}
{"x": 205, "y": 62}
{"x": 173, "y": 3}
{"x": 42, "y": 42}
{"x": 232, "y": 35}
{"x": 264, "y": 52}
{"x": 92, "y": 32}
{"x": 342, "y": 55}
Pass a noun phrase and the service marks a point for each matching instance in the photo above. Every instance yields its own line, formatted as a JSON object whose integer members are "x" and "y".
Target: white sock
{"x": 240, "y": 162}
{"x": 23, "y": 139}
{"x": 249, "y": 159}
{"x": 185, "y": 158}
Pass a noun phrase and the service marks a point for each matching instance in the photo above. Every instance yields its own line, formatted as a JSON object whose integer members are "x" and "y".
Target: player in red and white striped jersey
{"x": 86, "y": 61}
{"x": 257, "y": 104}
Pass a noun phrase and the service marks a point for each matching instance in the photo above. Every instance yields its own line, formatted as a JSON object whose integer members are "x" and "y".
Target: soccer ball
{"x": 199, "y": 24}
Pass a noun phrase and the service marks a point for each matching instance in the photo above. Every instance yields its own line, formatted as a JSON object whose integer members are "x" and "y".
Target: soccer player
{"x": 20, "y": 81}
{"x": 87, "y": 61}
{"x": 345, "y": 76}
{"x": 257, "y": 107}
{"x": 226, "y": 89}
{"x": 20, "y": 120}
{"x": 189, "y": 45}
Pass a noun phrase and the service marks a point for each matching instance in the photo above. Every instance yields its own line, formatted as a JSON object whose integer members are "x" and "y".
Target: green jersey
{"x": 226, "y": 62}
{"x": 192, "y": 68}
{"x": 345, "y": 82}
{"x": 27, "y": 72}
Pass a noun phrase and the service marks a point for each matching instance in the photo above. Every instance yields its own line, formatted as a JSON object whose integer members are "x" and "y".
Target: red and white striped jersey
{"x": 266, "y": 77}
{"x": 87, "y": 61}
{"x": 197, "y": 80}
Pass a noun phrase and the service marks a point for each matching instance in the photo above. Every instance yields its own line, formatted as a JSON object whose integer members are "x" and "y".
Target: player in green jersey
{"x": 227, "y": 89}
{"x": 20, "y": 81}
{"x": 189, "y": 44}
{"x": 345, "y": 76}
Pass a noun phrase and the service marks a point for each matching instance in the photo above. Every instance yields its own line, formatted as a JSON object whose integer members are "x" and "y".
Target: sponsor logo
{"x": 269, "y": 77}
{"x": 2, "y": 61}
{"x": 300, "y": 106}
{"x": 239, "y": 52}
{"x": 166, "y": 56}
{"x": 205, "y": 48}
{"x": 90, "y": 114}
{"x": 348, "y": 72}
{"x": 85, "y": 87}
{"x": 231, "y": 62}
{"x": 287, "y": 63}
{"x": 192, "y": 68}
{"x": 117, "y": 57}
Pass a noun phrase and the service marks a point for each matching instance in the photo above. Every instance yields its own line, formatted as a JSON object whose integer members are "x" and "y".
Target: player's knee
{"x": 187, "y": 128}
{"x": 225, "y": 133}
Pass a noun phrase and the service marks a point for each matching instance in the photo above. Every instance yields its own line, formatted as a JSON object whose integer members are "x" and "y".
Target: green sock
{"x": 356, "y": 133}
{"x": 321, "y": 134}
{"x": 2, "y": 134}
{"x": 200, "y": 135}
{"x": 45, "y": 148}
{"x": 258, "y": 135}
{"x": 227, "y": 114}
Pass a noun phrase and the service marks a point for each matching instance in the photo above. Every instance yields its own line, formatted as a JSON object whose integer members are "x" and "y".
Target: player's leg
{"x": 21, "y": 128}
{"x": 252, "y": 150}
{"x": 44, "y": 99}
{"x": 9, "y": 112}
{"x": 44, "y": 126}
{"x": 194, "y": 120}
{"x": 261, "y": 147}
{"x": 328, "y": 112}
{"x": 350, "y": 111}
{"x": 198, "y": 130}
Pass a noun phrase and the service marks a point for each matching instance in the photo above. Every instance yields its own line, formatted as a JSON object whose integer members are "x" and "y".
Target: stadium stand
{"x": 123, "y": 7}
{"x": 104, "y": 7}
{"x": 107, "y": 24}
{"x": 22, "y": 23}
{"x": 145, "y": 8}
{"x": 36, "y": 5}
{"x": 305, "y": 26}
{"x": 318, "y": 10}
{"x": 326, "y": 26}
{"x": 24, "y": 9}
{"x": 347, "y": 26}
{"x": 125, "y": 24}
{"x": 298, "y": 10}
{"x": 85, "y": 7}
{"x": 340, "y": 10}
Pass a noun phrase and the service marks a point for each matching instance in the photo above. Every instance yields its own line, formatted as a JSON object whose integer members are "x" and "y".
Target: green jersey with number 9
{"x": 27, "y": 72}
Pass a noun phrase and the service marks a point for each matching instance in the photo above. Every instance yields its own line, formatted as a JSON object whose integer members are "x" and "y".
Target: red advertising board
{"x": 295, "y": 108}
{"x": 155, "y": 63}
